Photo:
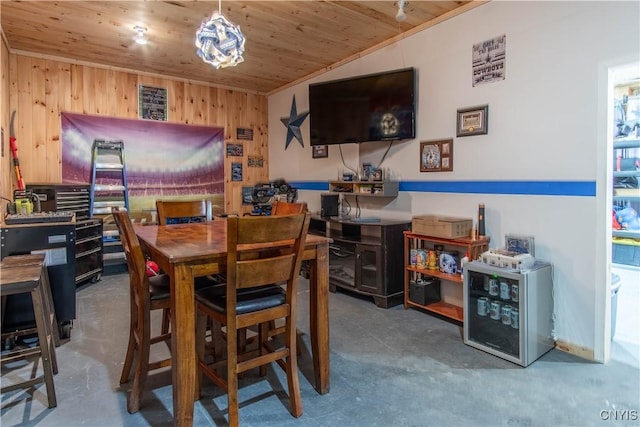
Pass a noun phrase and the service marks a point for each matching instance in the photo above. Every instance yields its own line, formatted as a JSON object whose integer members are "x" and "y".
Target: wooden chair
{"x": 250, "y": 298}
{"x": 183, "y": 211}
{"x": 286, "y": 208}
{"x": 17, "y": 278}
{"x": 146, "y": 294}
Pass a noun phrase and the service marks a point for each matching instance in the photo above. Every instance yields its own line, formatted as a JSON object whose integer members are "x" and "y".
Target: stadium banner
{"x": 162, "y": 160}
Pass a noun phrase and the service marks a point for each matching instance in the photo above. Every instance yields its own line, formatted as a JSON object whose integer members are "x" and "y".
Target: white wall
{"x": 547, "y": 122}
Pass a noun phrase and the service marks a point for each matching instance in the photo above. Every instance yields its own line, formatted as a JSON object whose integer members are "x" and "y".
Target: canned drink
{"x": 494, "y": 287}
{"x": 485, "y": 285}
{"x": 515, "y": 318}
{"x": 483, "y": 306}
{"x": 515, "y": 292}
{"x": 413, "y": 257}
{"x": 506, "y": 314}
{"x": 496, "y": 310}
{"x": 505, "y": 290}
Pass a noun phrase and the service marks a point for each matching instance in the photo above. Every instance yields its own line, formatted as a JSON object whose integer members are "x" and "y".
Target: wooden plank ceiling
{"x": 286, "y": 41}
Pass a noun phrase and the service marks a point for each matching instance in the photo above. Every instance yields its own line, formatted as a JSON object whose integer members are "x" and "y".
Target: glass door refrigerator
{"x": 509, "y": 313}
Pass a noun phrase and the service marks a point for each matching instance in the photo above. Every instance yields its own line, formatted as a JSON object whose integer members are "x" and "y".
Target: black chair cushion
{"x": 248, "y": 299}
{"x": 159, "y": 285}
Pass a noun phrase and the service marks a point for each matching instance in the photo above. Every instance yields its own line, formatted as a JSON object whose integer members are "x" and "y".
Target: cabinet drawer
{"x": 90, "y": 228}
{"x": 92, "y": 243}
{"x": 88, "y": 264}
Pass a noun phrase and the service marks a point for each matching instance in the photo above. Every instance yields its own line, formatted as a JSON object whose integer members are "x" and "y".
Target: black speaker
{"x": 329, "y": 205}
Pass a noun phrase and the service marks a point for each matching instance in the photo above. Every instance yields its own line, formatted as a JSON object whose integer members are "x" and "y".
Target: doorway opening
{"x": 625, "y": 214}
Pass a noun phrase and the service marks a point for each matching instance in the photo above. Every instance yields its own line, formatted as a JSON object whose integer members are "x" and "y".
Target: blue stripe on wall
{"x": 540, "y": 188}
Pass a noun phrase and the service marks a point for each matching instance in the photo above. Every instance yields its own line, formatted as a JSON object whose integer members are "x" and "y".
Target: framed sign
{"x": 436, "y": 156}
{"x": 152, "y": 103}
{"x": 236, "y": 150}
{"x": 473, "y": 121}
{"x": 319, "y": 151}
{"x": 245, "y": 134}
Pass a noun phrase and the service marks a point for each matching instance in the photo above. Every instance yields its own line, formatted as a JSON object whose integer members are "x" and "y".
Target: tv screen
{"x": 375, "y": 107}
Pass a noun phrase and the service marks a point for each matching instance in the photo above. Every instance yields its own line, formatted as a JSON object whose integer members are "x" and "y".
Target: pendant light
{"x": 400, "y": 16}
{"x": 219, "y": 42}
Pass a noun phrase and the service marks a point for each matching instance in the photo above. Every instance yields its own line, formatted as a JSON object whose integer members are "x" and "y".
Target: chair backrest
{"x": 262, "y": 250}
{"x": 136, "y": 261}
{"x": 285, "y": 208}
{"x": 183, "y": 211}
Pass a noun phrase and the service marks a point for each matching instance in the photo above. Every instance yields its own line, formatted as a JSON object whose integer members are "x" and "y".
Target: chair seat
{"x": 248, "y": 299}
{"x": 159, "y": 285}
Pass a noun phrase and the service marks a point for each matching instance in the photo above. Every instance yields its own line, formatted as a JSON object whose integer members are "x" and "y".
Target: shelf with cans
{"x": 497, "y": 305}
{"x": 433, "y": 272}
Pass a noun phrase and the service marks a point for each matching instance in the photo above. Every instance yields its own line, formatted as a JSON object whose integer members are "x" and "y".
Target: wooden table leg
{"x": 319, "y": 316}
{"x": 183, "y": 348}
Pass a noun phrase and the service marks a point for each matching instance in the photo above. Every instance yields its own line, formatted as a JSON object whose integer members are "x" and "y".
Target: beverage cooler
{"x": 509, "y": 313}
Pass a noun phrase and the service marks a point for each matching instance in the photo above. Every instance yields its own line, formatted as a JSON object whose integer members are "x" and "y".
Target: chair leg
{"x": 232, "y": 378}
{"x": 141, "y": 370}
{"x": 292, "y": 372}
{"x": 201, "y": 332}
{"x": 166, "y": 321}
{"x": 128, "y": 359}
{"x": 216, "y": 338}
{"x": 44, "y": 342}
{"x": 263, "y": 337}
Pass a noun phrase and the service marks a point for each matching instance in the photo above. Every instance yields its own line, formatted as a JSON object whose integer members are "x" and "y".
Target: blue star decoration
{"x": 293, "y": 123}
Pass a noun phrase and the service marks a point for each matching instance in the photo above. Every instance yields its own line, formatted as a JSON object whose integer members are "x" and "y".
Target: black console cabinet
{"x": 365, "y": 257}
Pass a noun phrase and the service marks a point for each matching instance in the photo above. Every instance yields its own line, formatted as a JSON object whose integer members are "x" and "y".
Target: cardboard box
{"x": 442, "y": 226}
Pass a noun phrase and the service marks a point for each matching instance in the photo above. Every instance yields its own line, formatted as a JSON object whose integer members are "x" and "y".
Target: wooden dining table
{"x": 186, "y": 251}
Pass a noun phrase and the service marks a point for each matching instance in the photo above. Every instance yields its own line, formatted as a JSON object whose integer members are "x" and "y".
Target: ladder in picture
{"x": 108, "y": 177}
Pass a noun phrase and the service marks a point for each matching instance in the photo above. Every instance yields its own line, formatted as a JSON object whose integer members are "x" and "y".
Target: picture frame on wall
{"x": 436, "y": 156}
{"x": 319, "y": 151}
{"x": 472, "y": 121}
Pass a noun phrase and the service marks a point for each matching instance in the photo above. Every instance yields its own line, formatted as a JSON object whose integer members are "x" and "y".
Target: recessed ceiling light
{"x": 400, "y": 16}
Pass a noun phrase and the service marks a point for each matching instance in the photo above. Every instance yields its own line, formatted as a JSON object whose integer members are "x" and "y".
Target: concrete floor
{"x": 391, "y": 367}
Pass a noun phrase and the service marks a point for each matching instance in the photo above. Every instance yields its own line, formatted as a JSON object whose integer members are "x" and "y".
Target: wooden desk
{"x": 185, "y": 251}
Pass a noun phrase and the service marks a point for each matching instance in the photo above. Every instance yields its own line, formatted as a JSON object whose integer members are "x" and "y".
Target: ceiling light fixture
{"x": 219, "y": 42}
{"x": 400, "y": 16}
{"x": 139, "y": 38}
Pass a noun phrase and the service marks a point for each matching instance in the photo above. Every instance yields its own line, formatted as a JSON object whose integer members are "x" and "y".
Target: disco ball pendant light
{"x": 219, "y": 42}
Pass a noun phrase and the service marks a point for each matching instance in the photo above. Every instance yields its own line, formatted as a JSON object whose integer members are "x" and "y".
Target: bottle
{"x": 463, "y": 261}
{"x": 481, "y": 229}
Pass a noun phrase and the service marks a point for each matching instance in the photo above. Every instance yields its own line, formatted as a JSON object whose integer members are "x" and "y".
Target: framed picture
{"x": 319, "y": 151}
{"x": 367, "y": 171}
{"x": 152, "y": 103}
{"x": 376, "y": 174}
{"x": 473, "y": 121}
{"x": 436, "y": 156}
{"x": 235, "y": 150}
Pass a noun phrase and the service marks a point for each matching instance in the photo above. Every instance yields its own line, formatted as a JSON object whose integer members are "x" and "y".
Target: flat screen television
{"x": 374, "y": 107}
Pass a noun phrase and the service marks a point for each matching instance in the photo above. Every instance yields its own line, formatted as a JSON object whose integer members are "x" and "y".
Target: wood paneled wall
{"x": 40, "y": 89}
{"x": 6, "y": 167}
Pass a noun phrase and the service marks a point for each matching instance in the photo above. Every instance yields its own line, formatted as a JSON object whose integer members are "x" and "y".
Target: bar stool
{"x": 30, "y": 277}
{"x": 28, "y": 259}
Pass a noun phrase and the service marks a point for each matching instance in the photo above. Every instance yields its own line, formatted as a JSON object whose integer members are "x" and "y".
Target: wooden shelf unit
{"x": 365, "y": 188}
{"x": 474, "y": 247}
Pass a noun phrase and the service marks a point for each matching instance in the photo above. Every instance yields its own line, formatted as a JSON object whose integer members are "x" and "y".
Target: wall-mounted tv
{"x": 375, "y": 107}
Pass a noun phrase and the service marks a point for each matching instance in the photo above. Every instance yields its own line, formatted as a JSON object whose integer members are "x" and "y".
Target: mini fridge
{"x": 509, "y": 313}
